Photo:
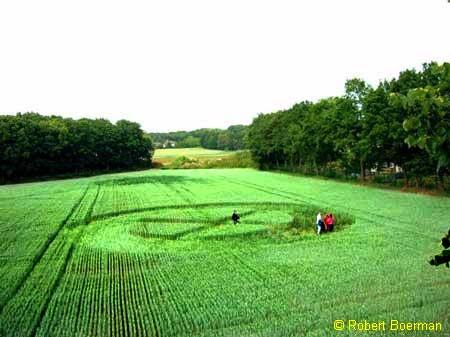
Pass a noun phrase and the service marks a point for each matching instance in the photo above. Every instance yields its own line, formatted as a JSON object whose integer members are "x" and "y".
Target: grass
{"x": 397, "y": 185}
{"x": 194, "y": 152}
{"x": 199, "y": 158}
{"x": 153, "y": 253}
{"x": 166, "y": 157}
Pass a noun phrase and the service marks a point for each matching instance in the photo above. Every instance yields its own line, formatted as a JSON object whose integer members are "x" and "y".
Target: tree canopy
{"x": 403, "y": 122}
{"x": 34, "y": 145}
{"x": 232, "y": 138}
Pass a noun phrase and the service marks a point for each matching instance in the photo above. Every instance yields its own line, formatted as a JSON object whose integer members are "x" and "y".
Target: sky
{"x": 181, "y": 65}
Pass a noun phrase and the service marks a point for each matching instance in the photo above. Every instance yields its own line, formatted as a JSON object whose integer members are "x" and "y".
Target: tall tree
{"x": 356, "y": 91}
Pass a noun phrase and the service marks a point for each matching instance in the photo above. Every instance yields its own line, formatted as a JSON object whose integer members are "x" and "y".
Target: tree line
{"x": 232, "y": 138}
{"x": 32, "y": 145}
{"x": 403, "y": 123}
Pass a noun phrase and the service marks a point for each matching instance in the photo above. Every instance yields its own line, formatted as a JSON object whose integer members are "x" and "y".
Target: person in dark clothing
{"x": 444, "y": 257}
{"x": 235, "y": 217}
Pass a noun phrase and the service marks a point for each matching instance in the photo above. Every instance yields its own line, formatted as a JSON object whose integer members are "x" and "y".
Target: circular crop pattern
{"x": 212, "y": 221}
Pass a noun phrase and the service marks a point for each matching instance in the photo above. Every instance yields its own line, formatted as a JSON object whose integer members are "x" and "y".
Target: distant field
{"x": 189, "y": 152}
{"x": 166, "y": 156}
{"x": 154, "y": 253}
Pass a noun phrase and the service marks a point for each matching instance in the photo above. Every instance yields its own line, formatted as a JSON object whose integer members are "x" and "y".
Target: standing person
{"x": 235, "y": 217}
{"x": 319, "y": 223}
{"x": 330, "y": 224}
{"x": 327, "y": 222}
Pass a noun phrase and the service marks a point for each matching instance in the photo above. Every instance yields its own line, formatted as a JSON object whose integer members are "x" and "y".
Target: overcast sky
{"x": 172, "y": 65}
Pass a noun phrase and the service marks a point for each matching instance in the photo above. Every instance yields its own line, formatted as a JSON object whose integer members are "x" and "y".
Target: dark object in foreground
{"x": 444, "y": 257}
{"x": 235, "y": 217}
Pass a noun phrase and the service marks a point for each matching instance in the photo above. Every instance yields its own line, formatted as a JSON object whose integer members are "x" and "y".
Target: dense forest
{"x": 402, "y": 124}
{"x": 32, "y": 145}
{"x": 233, "y": 138}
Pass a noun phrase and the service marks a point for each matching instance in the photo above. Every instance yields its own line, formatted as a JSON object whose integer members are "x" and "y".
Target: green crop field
{"x": 194, "y": 152}
{"x": 154, "y": 254}
{"x": 169, "y": 157}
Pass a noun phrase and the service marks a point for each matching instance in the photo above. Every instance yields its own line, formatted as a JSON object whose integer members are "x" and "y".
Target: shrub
{"x": 184, "y": 162}
{"x": 239, "y": 159}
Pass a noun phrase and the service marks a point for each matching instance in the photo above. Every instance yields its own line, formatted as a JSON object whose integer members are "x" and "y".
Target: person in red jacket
{"x": 329, "y": 222}
{"x": 326, "y": 220}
